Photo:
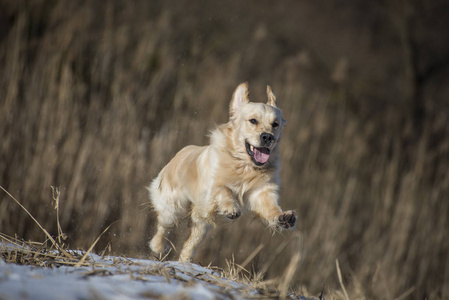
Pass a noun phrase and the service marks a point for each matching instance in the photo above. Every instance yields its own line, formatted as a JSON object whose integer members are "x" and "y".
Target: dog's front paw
{"x": 231, "y": 213}
{"x": 287, "y": 219}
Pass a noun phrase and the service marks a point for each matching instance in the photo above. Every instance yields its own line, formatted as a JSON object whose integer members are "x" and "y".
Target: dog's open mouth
{"x": 259, "y": 155}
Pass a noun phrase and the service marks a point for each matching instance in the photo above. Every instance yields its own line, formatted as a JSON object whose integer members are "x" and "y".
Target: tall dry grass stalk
{"x": 95, "y": 97}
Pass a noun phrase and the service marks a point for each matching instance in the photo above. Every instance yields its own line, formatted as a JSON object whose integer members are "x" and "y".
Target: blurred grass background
{"x": 97, "y": 96}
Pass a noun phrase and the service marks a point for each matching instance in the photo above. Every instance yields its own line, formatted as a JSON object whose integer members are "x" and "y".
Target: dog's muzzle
{"x": 260, "y": 155}
{"x": 266, "y": 139}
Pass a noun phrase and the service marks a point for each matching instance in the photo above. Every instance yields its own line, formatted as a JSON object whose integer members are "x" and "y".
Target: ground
{"x": 31, "y": 273}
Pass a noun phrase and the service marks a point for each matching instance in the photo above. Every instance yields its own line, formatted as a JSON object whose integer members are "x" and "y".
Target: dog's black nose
{"x": 266, "y": 139}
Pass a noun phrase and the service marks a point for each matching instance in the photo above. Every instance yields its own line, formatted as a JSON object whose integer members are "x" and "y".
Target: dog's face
{"x": 257, "y": 126}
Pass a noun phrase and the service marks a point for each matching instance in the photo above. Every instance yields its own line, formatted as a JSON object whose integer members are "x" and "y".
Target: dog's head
{"x": 257, "y": 126}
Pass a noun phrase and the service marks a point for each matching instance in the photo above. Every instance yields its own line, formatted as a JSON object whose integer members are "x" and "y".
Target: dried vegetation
{"x": 96, "y": 96}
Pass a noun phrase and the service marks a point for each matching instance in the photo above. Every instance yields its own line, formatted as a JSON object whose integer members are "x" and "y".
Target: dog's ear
{"x": 271, "y": 97}
{"x": 240, "y": 97}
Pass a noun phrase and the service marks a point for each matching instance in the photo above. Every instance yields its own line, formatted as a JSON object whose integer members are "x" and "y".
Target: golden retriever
{"x": 239, "y": 169}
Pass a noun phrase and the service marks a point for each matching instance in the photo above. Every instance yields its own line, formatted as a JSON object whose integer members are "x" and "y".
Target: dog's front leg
{"x": 226, "y": 203}
{"x": 264, "y": 202}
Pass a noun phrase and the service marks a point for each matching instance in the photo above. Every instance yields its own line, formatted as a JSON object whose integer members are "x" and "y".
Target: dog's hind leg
{"x": 199, "y": 230}
{"x": 157, "y": 243}
{"x": 168, "y": 211}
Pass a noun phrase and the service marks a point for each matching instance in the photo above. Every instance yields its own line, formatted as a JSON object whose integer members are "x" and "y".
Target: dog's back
{"x": 176, "y": 186}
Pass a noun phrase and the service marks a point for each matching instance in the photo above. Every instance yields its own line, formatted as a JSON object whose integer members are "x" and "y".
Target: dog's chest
{"x": 245, "y": 180}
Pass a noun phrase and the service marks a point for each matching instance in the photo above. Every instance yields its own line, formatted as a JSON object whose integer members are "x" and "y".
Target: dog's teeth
{"x": 251, "y": 147}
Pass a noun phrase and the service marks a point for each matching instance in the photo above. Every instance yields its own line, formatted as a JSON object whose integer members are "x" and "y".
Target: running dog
{"x": 238, "y": 169}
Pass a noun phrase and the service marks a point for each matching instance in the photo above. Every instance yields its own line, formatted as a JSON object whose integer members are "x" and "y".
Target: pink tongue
{"x": 261, "y": 155}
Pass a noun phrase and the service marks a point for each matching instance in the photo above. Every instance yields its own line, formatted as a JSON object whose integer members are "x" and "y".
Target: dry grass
{"x": 13, "y": 250}
{"x": 95, "y": 97}
{"x": 17, "y": 251}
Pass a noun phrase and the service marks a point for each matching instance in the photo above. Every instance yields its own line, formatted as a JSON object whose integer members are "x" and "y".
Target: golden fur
{"x": 238, "y": 169}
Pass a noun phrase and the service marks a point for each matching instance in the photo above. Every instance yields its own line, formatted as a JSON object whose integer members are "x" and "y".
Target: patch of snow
{"x": 116, "y": 278}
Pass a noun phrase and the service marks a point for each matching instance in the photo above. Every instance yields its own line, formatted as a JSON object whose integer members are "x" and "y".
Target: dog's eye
{"x": 275, "y": 124}
{"x": 254, "y": 121}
